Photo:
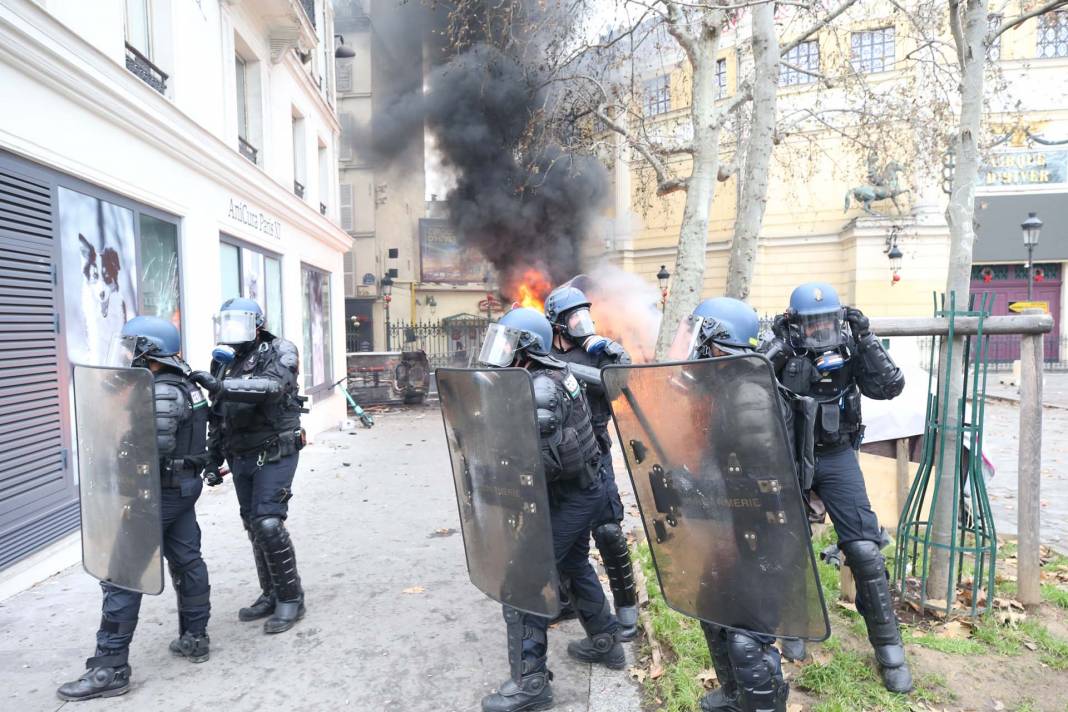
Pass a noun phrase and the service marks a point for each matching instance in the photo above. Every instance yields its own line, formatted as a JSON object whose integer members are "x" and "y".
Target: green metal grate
{"x": 973, "y": 546}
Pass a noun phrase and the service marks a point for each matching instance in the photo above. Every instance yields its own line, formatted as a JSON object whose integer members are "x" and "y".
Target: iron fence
{"x": 453, "y": 341}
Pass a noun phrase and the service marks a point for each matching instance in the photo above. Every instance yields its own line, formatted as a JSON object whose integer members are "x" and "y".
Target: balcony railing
{"x": 298, "y": 188}
{"x": 143, "y": 68}
{"x": 322, "y": 208}
{"x": 247, "y": 150}
{"x": 309, "y": 10}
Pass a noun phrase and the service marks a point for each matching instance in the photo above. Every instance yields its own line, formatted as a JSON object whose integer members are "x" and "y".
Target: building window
{"x": 658, "y": 96}
{"x": 300, "y": 160}
{"x": 721, "y": 78}
{"x": 160, "y": 286}
{"x": 1053, "y": 34}
{"x": 796, "y": 64}
{"x": 252, "y": 274}
{"x": 873, "y": 50}
{"x": 317, "y": 361}
{"x": 244, "y": 142}
{"x": 139, "y": 26}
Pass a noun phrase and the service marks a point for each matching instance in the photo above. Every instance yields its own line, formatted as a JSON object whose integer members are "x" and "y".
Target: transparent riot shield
{"x": 501, "y": 489}
{"x": 118, "y": 476}
{"x": 706, "y": 446}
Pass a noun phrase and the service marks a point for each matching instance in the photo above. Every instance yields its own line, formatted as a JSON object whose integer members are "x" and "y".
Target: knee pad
{"x": 268, "y": 528}
{"x": 609, "y": 534}
{"x": 753, "y": 664}
{"x": 864, "y": 558}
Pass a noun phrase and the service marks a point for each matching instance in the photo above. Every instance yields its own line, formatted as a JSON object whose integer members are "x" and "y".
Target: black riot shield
{"x": 501, "y": 489}
{"x": 707, "y": 449}
{"x": 118, "y": 476}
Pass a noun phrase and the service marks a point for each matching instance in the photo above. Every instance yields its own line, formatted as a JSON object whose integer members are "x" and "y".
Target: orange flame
{"x": 532, "y": 289}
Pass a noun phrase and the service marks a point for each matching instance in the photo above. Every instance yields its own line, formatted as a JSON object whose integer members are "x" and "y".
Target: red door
{"x": 1009, "y": 291}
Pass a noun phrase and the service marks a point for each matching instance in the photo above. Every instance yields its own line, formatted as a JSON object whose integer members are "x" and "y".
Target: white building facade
{"x": 156, "y": 157}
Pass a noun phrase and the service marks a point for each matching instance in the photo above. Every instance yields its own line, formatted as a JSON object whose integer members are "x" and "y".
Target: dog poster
{"x": 99, "y": 260}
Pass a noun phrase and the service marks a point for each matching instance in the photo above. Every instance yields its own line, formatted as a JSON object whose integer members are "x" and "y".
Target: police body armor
{"x": 600, "y": 411}
{"x": 181, "y": 428}
{"x": 250, "y": 426}
{"x": 836, "y": 398}
{"x": 569, "y": 446}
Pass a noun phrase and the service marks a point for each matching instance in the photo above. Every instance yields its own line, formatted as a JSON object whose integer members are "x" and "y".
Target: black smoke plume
{"x": 519, "y": 198}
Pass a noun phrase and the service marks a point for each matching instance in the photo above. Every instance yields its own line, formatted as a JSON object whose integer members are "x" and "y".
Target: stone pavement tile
{"x": 365, "y": 521}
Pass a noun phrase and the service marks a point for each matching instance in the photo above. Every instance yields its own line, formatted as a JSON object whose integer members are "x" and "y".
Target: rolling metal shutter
{"x": 38, "y": 503}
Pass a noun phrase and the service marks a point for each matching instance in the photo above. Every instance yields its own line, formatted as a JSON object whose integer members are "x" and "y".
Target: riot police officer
{"x": 575, "y": 341}
{"x": 825, "y": 357}
{"x": 748, "y": 666}
{"x": 181, "y": 430}
{"x": 255, "y": 427}
{"x": 523, "y": 337}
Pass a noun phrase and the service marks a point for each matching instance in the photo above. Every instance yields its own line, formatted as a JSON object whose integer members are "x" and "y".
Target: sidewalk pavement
{"x": 1054, "y": 389}
{"x": 393, "y": 622}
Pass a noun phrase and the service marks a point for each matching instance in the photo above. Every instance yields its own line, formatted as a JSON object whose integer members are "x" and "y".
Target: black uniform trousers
{"x": 263, "y": 490}
{"x": 839, "y": 482}
{"x": 571, "y": 510}
{"x": 181, "y": 548}
{"x": 612, "y": 507}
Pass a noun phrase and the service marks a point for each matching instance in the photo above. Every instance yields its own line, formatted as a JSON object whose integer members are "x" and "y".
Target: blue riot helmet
{"x": 145, "y": 338}
{"x": 568, "y": 310}
{"x": 520, "y": 330}
{"x": 815, "y": 317}
{"x": 236, "y": 325}
{"x": 720, "y": 324}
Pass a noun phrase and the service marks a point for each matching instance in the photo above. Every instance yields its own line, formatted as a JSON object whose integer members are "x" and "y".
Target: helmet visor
{"x": 121, "y": 351}
{"x": 500, "y": 346}
{"x": 684, "y": 345}
{"x": 235, "y": 327}
{"x": 820, "y": 331}
{"x": 580, "y": 324}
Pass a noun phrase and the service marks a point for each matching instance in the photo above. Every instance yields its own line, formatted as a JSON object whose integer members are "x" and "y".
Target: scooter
{"x": 362, "y": 414}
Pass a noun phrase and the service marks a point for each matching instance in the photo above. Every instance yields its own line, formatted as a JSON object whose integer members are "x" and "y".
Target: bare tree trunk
{"x": 688, "y": 279}
{"x": 969, "y": 36}
{"x": 754, "y": 186}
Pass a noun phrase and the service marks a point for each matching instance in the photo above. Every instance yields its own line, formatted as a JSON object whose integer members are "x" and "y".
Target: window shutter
{"x": 344, "y": 75}
{"x": 346, "y": 207}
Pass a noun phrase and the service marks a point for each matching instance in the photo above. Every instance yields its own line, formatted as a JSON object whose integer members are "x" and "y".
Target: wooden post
{"x": 902, "y": 475}
{"x": 1028, "y": 591}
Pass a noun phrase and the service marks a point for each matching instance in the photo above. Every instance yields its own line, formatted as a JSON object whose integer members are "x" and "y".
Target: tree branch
{"x": 744, "y": 94}
{"x": 665, "y": 182}
{"x": 817, "y": 26}
{"x": 955, "y": 28}
{"x": 1017, "y": 21}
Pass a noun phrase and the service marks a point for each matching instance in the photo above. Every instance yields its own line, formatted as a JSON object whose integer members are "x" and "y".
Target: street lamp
{"x": 894, "y": 253}
{"x": 343, "y": 51}
{"x": 662, "y": 277}
{"x": 1030, "y": 227}
{"x": 387, "y": 296}
{"x": 432, "y": 303}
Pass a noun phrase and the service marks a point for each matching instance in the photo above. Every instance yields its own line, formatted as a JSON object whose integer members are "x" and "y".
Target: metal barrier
{"x": 1029, "y": 328}
{"x": 452, "y": 341}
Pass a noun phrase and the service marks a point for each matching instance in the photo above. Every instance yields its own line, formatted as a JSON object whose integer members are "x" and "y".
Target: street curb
{"x": 1016, "y": 401}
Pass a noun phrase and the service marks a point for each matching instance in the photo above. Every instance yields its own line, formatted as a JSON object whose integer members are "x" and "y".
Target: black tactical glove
{"x": 859, "y": 323}
{"x": 778, "y": 326}
{"x": 213, "y": 475}
{"x": 206, "y": 381}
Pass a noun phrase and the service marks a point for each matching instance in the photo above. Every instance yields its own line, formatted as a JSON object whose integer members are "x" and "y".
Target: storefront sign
{"x": 255, "y": 219}
{"x": 443, "y": 259}
{"x": 1025, "y": 168}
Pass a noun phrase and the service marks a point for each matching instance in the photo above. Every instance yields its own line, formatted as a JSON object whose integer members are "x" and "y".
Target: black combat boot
{"x": 874, "y": 603}
{"x": 273, "y": 538}
{"x": 194, "y": 647}
{"x": 527, "y": 687}
{"x": 793, "y": 649}
{"x": 106, "y": 675}
{"x": 628, "y": 622}
{"x": 615, "y": 554}
{"x": 264, "y": 605}
{"x": 603, "y": 648}
{"x": 567, "y": 611}
{"x": 724, "y": 697}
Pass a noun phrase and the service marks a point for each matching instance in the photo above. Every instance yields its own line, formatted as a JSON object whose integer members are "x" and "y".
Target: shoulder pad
{"x": 546, "y": 391}
{"x": 288, "y": 355}
{"x": 170, "y": 399}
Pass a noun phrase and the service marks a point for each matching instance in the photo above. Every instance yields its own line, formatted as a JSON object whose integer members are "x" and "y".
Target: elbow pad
{"x": 879, "y": 377}
{"x": 251, "y": 390}
{"x": 171, "y": 409}
{"x": 548, "y": 402}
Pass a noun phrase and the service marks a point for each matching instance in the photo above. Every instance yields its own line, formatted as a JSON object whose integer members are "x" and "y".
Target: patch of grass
{"x": 1011, "y": 639}
{"x": 1056, "y": 595}
{"x": 682, "y": 643}
{"x": 1005, "y": 588}
{"x": 848, "y": 682}
{"x": 950, "y": 646}
{"x": 993, "y": 635}
{"x": 1006, "y": 548}
{"x": 1026, "y": 705}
